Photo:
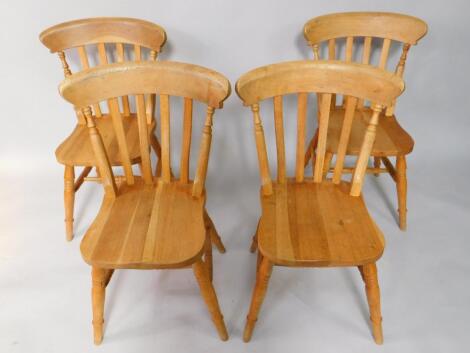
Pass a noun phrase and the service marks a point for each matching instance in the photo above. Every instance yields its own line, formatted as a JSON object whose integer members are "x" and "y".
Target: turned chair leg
{"x": 401, "y": 190}
{"x": 99, "y": 279}
{"x": 369, "y": 272}
{"x": 262, "y": 278}
{"x": 208, "y": 256}
{"x": 254, "y": 240}
{"x": 69, "y": 199}
{"x": 377, "y": 161}
{"x": 215, "y": 237}
{"x": 208, "y": 293}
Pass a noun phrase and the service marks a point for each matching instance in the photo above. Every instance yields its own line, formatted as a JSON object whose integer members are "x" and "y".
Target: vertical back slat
{"x": 144, "y": 139}
{"x": 85, "y": 65}
{"x": 332, "y": 56}
{"x": 325, "y": 106}
{"x": 280, "y": 146}
{"x": 348, "y": 58}
{"x": 384, "y": 53}
{"x": 102, "y": 54}
{"x": 365, "y": 60}
{"x": 186, "y": 147}
{"x": 124, "y": 99}
{"x": 121, "y": 139}
{"x": 364, "y": 154}
{"x": 301, "y": 121}
{"x": 349, "y": 49}
{"x": 103, "y": 61}
{"x": 344, "y": 137}
{"x": 165, "y": 136}
{"x": 266, "y": 183}
{"x": 203, "y": 160}
{"x": 137, "y": 53}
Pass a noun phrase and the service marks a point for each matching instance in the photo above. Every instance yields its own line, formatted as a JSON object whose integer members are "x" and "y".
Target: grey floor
{"x": 45, "y": 285}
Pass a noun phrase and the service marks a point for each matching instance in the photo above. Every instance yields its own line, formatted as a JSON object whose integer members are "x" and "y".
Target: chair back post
{"x": 364, "y": 154}
{"x": 99, "y": 150}
{"x": 204, "y": 150}
{"x": 266, "y": 183}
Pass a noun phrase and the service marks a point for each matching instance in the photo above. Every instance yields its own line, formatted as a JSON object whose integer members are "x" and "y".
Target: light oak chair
{"x": 149, "y": 221}
{"x": 374, "y": 32}
{"x": 314, "y": 222}
{"x": 114, "y": 39}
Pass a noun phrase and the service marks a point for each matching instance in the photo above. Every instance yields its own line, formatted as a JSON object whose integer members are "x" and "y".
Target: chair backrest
{"x": 325, "y": 78}
{"x": 139, "y": 79}
{"x": 112, "y": 37}
{"x": 325, "y": 31}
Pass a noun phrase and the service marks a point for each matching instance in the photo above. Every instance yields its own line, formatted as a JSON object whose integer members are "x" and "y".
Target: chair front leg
{"x": 208, "y": 293}
{"x": 369, "y": 273}
{"x": 99, "y": 278}
{"x": 69, "y": 199}
{"x": 262, "y": 279}
{"x": 401, "y": 190}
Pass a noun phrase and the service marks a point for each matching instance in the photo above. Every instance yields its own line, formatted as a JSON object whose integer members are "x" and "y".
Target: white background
{"x": 424, "y": 274}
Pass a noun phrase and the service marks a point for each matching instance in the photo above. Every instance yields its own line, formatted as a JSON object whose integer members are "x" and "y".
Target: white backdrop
{"x": 44, "y": 284}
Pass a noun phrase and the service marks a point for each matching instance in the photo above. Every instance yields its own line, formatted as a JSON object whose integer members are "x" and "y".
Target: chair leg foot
{"x": 69, "y": 200}
{"x": 373, "y": 298}
{"x": 401, "y": 190}
{"x": 377, "y": 161}
{"x": 262, "y": 279}
{"x": 208, "y": 293}
{"x": 99, "y": 277}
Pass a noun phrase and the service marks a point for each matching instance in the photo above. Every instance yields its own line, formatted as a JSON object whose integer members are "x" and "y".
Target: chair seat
{"x": 77, "y": 150}
{"x": 147, "y": 226}
{"x": 317, "y": 224}
{"x": 391, "y": 138}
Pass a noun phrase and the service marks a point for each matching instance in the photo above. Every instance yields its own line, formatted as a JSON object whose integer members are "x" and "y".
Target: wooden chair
{"x": 323, "y": 34}
{"x": 149, "y": 222}
{"x": 113, "y": 37}
{"x": 316, "y": 222}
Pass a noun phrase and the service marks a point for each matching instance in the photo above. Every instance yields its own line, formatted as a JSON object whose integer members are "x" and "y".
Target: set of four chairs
{"x": 156, "y": 219}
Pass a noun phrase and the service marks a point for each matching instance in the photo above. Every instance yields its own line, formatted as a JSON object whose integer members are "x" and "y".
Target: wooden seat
{"x": 318, "y": 222}
{"x": 116, "y": 39}
{"x": 391, "y": 139}
{"x": 152, "y": 221}
{"x": 77, "y": 150}
{"x": 362, "y": 34}
{"x": 145, "y": 227}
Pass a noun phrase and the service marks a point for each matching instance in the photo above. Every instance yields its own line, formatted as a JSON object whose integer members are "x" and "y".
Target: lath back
{"x": 360, "y": 29}
{"x": 113, "y": 37}
{"x": 139, "y": 79}
{"x": 325, "y": 78}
